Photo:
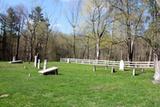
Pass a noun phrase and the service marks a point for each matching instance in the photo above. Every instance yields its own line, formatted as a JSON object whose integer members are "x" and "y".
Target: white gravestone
{"x": 121, "y": 65}
{"x": 68, "y": 60}
{"x": 35, "y": 61}
{"x": 39, "y": 61}
{"x": 45, "y": 64}
{"x": 157, "y": 72}
{"x": 134, "y": 72}
{"x": 14, "y": 58}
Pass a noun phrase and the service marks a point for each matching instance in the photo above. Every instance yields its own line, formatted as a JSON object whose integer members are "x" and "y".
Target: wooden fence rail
{"x": 106, "y": 63}
{"x": 136, "y": 64}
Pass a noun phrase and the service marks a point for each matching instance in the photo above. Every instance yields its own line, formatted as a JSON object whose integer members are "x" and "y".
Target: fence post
{"x": 112, "y": 70}
{"x": 94, "y": 68}
{"x": 142, "y": 69}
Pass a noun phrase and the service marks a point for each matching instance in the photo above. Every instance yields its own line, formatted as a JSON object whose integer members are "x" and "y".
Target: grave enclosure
{"x": 121, "y": 65}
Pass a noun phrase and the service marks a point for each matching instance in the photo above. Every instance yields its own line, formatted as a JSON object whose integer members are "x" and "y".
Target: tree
{"x": 36, "y": 25}
{"x": 152, "y": 34}
{"x": 3, "y": 34}
{"x": 99, "y": 13}
{"x": 131, "y": 14}
{"x": 20, "y": 13}
{"x": 73, "y": 19}
{"x": 12, "y": 21}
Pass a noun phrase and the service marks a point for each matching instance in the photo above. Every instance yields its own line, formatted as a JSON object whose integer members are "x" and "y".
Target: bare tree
{"x": 20, "y": 11}
{"x": 73, "y": 18}
{"x": 131, "y": 17}
{"x": 99, "y": 18}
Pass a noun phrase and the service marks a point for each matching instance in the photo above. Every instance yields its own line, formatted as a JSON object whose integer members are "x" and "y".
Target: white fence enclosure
{"x": 134, "y": 64}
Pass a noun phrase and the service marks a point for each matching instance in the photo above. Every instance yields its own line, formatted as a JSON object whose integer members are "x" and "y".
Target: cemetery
{"x": 74, "y": 83}
{"x": 79, "y": 53}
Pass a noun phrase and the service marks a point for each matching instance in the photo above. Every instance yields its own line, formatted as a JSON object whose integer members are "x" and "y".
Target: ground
{"x": 75, "y": 86}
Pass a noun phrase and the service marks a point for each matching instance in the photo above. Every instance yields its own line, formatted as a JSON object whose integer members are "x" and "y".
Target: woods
{"x": 101, "y": 29}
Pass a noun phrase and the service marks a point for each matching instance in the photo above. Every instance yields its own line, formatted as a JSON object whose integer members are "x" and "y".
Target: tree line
{"x": 102, "y": 29}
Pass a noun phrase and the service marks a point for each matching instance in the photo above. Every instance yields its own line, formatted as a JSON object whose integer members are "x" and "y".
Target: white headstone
{"x": 45, "y": 64}
{"x": 121, "y": 65}
{"x": 112, "y": 70}
{"x": 14, "y": 58}
{"x": 35, "y": 61}
{"x": 68, "y": 60}
{"x": 134, "y": 72}
{"x": 157, "y": 71}
{"x": 39, "y": 61}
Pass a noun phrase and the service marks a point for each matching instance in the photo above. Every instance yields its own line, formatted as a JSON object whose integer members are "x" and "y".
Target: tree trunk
{"x": 98, "y": 49}
{"x": 17, "y": 53}
{"x": 31, "y": 51}
{"x": 88, "y": 48}
{"x": 110, "y": 52}
{"x": 130, "y": 49}
{"x": 150, "y": 55}
{"x": 74, "y": 43}
{"x": 46, "y": 46}
{"x": 4, "y": 45}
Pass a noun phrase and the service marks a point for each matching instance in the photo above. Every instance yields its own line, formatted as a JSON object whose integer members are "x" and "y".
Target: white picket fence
{"x": 134, "y": 64}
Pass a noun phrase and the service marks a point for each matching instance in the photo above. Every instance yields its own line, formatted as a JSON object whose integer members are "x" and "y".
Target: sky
{"x": 56, "y": 10}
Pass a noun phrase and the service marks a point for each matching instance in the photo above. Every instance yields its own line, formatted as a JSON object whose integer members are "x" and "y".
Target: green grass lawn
{"x": 76, "y": 86}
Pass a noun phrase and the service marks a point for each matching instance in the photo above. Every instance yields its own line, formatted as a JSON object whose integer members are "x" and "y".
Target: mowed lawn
{"x": 75, "y": 86}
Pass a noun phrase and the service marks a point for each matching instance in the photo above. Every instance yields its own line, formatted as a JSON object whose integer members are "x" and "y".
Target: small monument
{"x": 14, "y": 58}
{"x": 157, "y": 70}
{"x": 121, "y": 65}
{"x": 134, "y": 72}
{"x": 39, "y": 62}
{"x": 45, "y": 64}
{"x": 113, "y": 70}
{"x": 68, "y": 60}
{"x": 48, "y": 71}
{"x": 14, "y": 61}
{"x": 35, "y": 61}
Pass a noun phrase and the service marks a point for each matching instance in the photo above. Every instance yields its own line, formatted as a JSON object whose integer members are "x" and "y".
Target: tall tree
{"x": 152, "y": 34}
{"x": 131, "y": 14}
{"x": 12, "y": 23}
{"x": 35, "y": 18}
{"x": 73, "y": 18}
{"x": 21, "y": 17}
{"x": 39, "y": 29}
{"x": 99, "y": 13}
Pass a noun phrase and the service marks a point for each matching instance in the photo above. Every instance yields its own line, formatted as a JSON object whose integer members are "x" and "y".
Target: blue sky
{"x": 55, "y": 9}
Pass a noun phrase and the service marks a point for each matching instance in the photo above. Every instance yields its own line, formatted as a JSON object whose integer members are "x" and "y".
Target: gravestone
{"x": 157, "y": 71}
{"x": 14, "y": 61}
{"x": 134, "y": 72}
{"x": 45, "y": 64}
{"x": 48, "y": 71}
{"x": 113, "y": 70}
{"x": 121, "y": 65}
{"x": 14, "y": 58}
{"x": 35, "y": 61}
{"x": 68, "y": 60}
{"x": 39, "y": 61}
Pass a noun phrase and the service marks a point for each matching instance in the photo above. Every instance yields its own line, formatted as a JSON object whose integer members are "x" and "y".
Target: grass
{"x": 76, "y": 86}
